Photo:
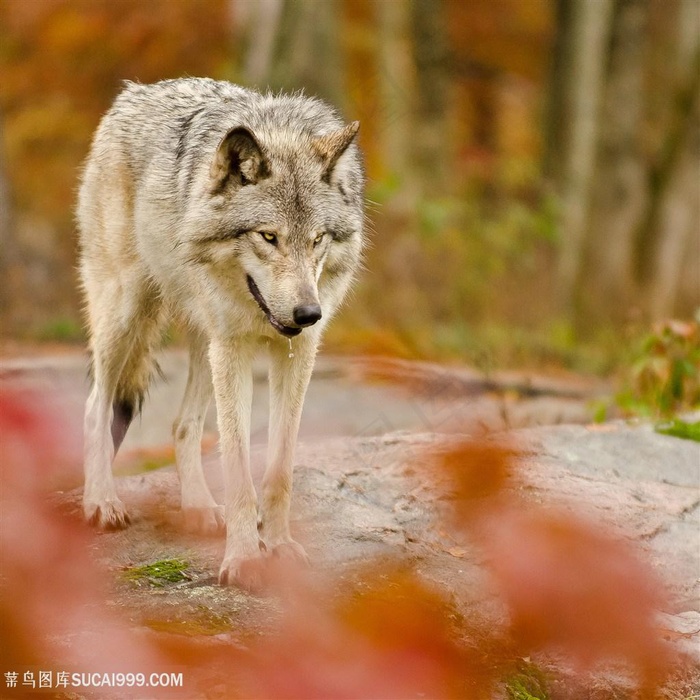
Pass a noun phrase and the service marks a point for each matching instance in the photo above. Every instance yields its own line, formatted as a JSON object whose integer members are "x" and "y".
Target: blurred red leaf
{"x": 52, "y": 591}
{"x": 394, "y": 640}
{"x": 569, "y": 585}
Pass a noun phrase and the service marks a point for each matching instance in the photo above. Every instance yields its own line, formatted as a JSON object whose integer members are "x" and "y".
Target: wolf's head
{"x": 288, "y": 206}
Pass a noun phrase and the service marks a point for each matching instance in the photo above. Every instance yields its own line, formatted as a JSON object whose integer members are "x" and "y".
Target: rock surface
{"x": 359, "y": 497}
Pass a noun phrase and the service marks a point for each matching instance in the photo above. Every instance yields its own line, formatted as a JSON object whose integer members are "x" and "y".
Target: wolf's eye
{"x": 318, "y": 239}
{"x": 269, "y": 237}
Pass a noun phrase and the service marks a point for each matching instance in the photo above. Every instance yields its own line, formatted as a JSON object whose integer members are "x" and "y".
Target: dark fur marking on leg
{"x": 123, "y": 414}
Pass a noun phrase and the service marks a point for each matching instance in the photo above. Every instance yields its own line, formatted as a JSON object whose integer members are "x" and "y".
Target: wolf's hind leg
{"x": 121, "y": 366}
{"x": 200, "y": 511}
{"x": 101, "y": 505}
{"x": 104, "y": 429}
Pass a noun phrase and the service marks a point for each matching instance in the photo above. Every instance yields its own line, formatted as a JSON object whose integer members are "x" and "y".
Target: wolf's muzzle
{"x": 288, "y": 331}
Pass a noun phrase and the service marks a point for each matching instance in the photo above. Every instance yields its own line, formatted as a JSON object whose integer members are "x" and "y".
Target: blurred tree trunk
{"x": 670, "y": 237}
{"x": 395, "y": 78}
{"x": 430, "y": 52}
{"x": 327, "y": 52}
{"x": 619, "y": 194}
{"x": 678, "y": 230}
{"x": 262, "y": 20}
{"x": 9, "y": 253}
{"x": 290, "y": 45}
{"x": 628, "y": 171}
{"x": 558, "y": 107}
{"x": 586, "y": 32}
{"x": 308, "y": 51}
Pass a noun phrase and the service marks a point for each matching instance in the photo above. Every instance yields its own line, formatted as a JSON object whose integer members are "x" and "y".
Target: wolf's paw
{"x": 204, "y": 521}
{"x": 289, "y": 551}
{"x": 107, "y": 515}
{"x": 247, "y": 574}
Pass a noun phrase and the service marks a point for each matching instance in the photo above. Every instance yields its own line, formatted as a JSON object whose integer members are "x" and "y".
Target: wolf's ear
{"x": 330, "y": 147}
{"x": 239, "y": 159}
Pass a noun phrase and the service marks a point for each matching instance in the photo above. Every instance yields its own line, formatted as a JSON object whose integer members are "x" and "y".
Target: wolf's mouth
{"x": 289, "y": 331}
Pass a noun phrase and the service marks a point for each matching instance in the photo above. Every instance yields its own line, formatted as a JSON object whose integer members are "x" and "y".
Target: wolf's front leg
{"x": 289, "y": 379}
{"x": 200, "y": 511}
{"x": 232, "y": 377}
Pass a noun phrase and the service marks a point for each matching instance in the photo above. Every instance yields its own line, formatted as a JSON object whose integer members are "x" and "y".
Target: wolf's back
{"x": 148, "y": 124}
{"x": 172, "y": 126}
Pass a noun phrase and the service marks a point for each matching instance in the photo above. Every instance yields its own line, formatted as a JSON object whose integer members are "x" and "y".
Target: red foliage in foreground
{"x": 52, "y": 590}
{"x": 566, "y": 585}
{"x": 570, "y": 586}
{"x": 393, "y": 641}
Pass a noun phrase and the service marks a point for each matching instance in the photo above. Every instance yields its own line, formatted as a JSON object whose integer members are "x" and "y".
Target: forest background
{"x": 533, "y": 165}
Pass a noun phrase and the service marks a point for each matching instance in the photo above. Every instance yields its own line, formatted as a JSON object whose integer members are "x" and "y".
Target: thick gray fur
{"x": 239, "y": 214}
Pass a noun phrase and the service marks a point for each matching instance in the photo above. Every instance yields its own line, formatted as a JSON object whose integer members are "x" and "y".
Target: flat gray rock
{"x": 362, "y": 499}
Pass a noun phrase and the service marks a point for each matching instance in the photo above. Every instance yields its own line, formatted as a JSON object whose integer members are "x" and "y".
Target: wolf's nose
{"x": 307, "y": 314}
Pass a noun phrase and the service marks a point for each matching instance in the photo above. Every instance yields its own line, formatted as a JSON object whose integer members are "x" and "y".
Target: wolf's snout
{"x": 307, "y": 314}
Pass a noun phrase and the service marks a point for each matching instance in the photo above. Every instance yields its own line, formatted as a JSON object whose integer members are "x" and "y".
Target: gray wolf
{"x": 239, "y": 214}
